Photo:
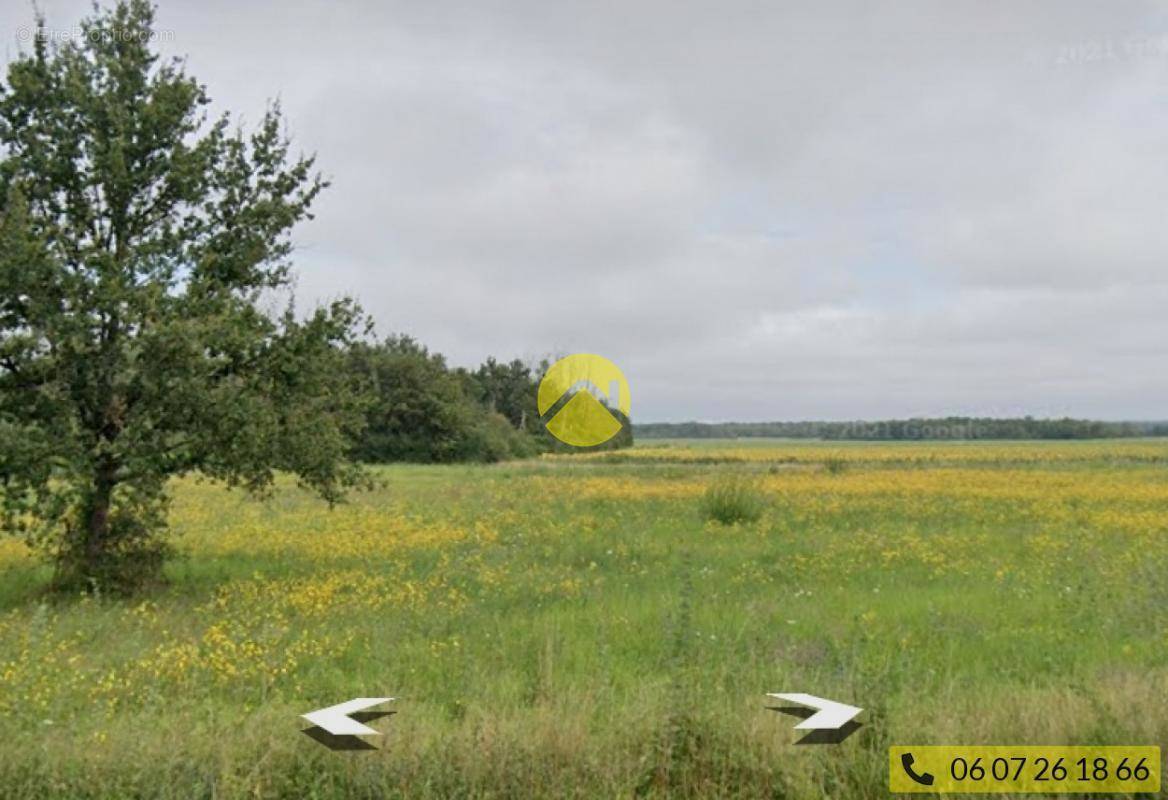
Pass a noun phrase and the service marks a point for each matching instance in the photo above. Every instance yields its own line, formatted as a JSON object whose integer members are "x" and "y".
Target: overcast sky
{"x": 757, "y": 210}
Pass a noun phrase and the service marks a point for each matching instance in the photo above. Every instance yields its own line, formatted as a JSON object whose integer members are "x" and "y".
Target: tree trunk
{"x": 97, "y": 523}
{"x": 83, "y": 562}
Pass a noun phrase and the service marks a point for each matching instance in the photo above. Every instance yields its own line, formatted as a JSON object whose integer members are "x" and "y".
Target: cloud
{"x": 760, "y": 211}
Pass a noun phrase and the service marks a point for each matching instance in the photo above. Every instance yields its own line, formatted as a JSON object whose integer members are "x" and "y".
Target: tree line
{"x": 423, "y": 410}
{"x": 917, "y": 429}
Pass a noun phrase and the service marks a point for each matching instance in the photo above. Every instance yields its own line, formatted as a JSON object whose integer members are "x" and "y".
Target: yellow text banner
{"x": 1053, "y": 769}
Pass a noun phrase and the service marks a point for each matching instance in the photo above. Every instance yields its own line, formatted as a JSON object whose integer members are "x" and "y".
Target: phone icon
{"x": 906, "y": 761}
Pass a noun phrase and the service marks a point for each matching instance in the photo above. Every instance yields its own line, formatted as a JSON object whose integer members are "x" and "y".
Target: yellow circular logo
{"x": 582, "y": 380}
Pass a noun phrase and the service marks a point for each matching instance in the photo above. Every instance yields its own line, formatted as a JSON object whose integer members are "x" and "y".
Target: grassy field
{"x": 575, "y": 627}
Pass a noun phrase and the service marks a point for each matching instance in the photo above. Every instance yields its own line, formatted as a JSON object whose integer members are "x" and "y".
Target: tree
{"x": 423, "y": 411}
{"x": 509, "y": 389}
{"x": 138, "y": 240}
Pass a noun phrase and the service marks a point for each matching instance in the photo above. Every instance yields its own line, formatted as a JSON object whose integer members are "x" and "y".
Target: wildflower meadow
{"x": 580, "y": 626}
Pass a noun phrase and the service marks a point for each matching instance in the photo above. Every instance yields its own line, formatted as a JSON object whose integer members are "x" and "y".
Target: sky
{"x": 759, "y": 211}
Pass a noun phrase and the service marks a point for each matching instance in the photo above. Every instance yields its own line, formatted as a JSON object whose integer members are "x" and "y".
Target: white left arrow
{"x": 829, "y": 715}
{"x": 336, "y": 719}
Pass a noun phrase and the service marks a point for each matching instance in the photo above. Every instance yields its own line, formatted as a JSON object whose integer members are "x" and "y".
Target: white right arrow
{"x": 829, "y": 715}
{"x": 336, "y": 719}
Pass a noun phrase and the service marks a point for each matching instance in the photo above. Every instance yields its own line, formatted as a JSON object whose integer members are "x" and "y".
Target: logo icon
{"x": 906, "y": 761}
{"x": 584, "y": 420}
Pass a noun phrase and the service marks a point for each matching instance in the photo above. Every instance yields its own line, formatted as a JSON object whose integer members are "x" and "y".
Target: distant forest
{"x": 947, "y": 428}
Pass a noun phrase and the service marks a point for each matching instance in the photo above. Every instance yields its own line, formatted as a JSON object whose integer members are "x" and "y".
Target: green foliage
{"x": 136, "y": 241}
{"x": 492, "y": 438}
{"x": 421, "y": 413}
{"x": 733, "y": 499}
{"x": 425, "y": 412}
{"x": 509, "y": 389}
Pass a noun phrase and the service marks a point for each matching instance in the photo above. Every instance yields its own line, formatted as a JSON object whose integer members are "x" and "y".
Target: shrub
{"x": 492, "y": 438}
{"x": 731, "y": 500}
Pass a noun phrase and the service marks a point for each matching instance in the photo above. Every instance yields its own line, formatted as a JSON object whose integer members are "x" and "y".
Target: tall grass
{"x": 733, "y": 499}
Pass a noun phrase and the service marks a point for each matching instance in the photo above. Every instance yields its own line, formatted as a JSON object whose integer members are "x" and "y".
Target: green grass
{"x": 577, "y": 628}
{"x": 733, "y": 500}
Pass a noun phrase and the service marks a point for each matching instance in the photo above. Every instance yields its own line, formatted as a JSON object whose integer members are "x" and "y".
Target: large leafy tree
{"x": 421, "y": 413}
{"x": 142, "y": 246}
